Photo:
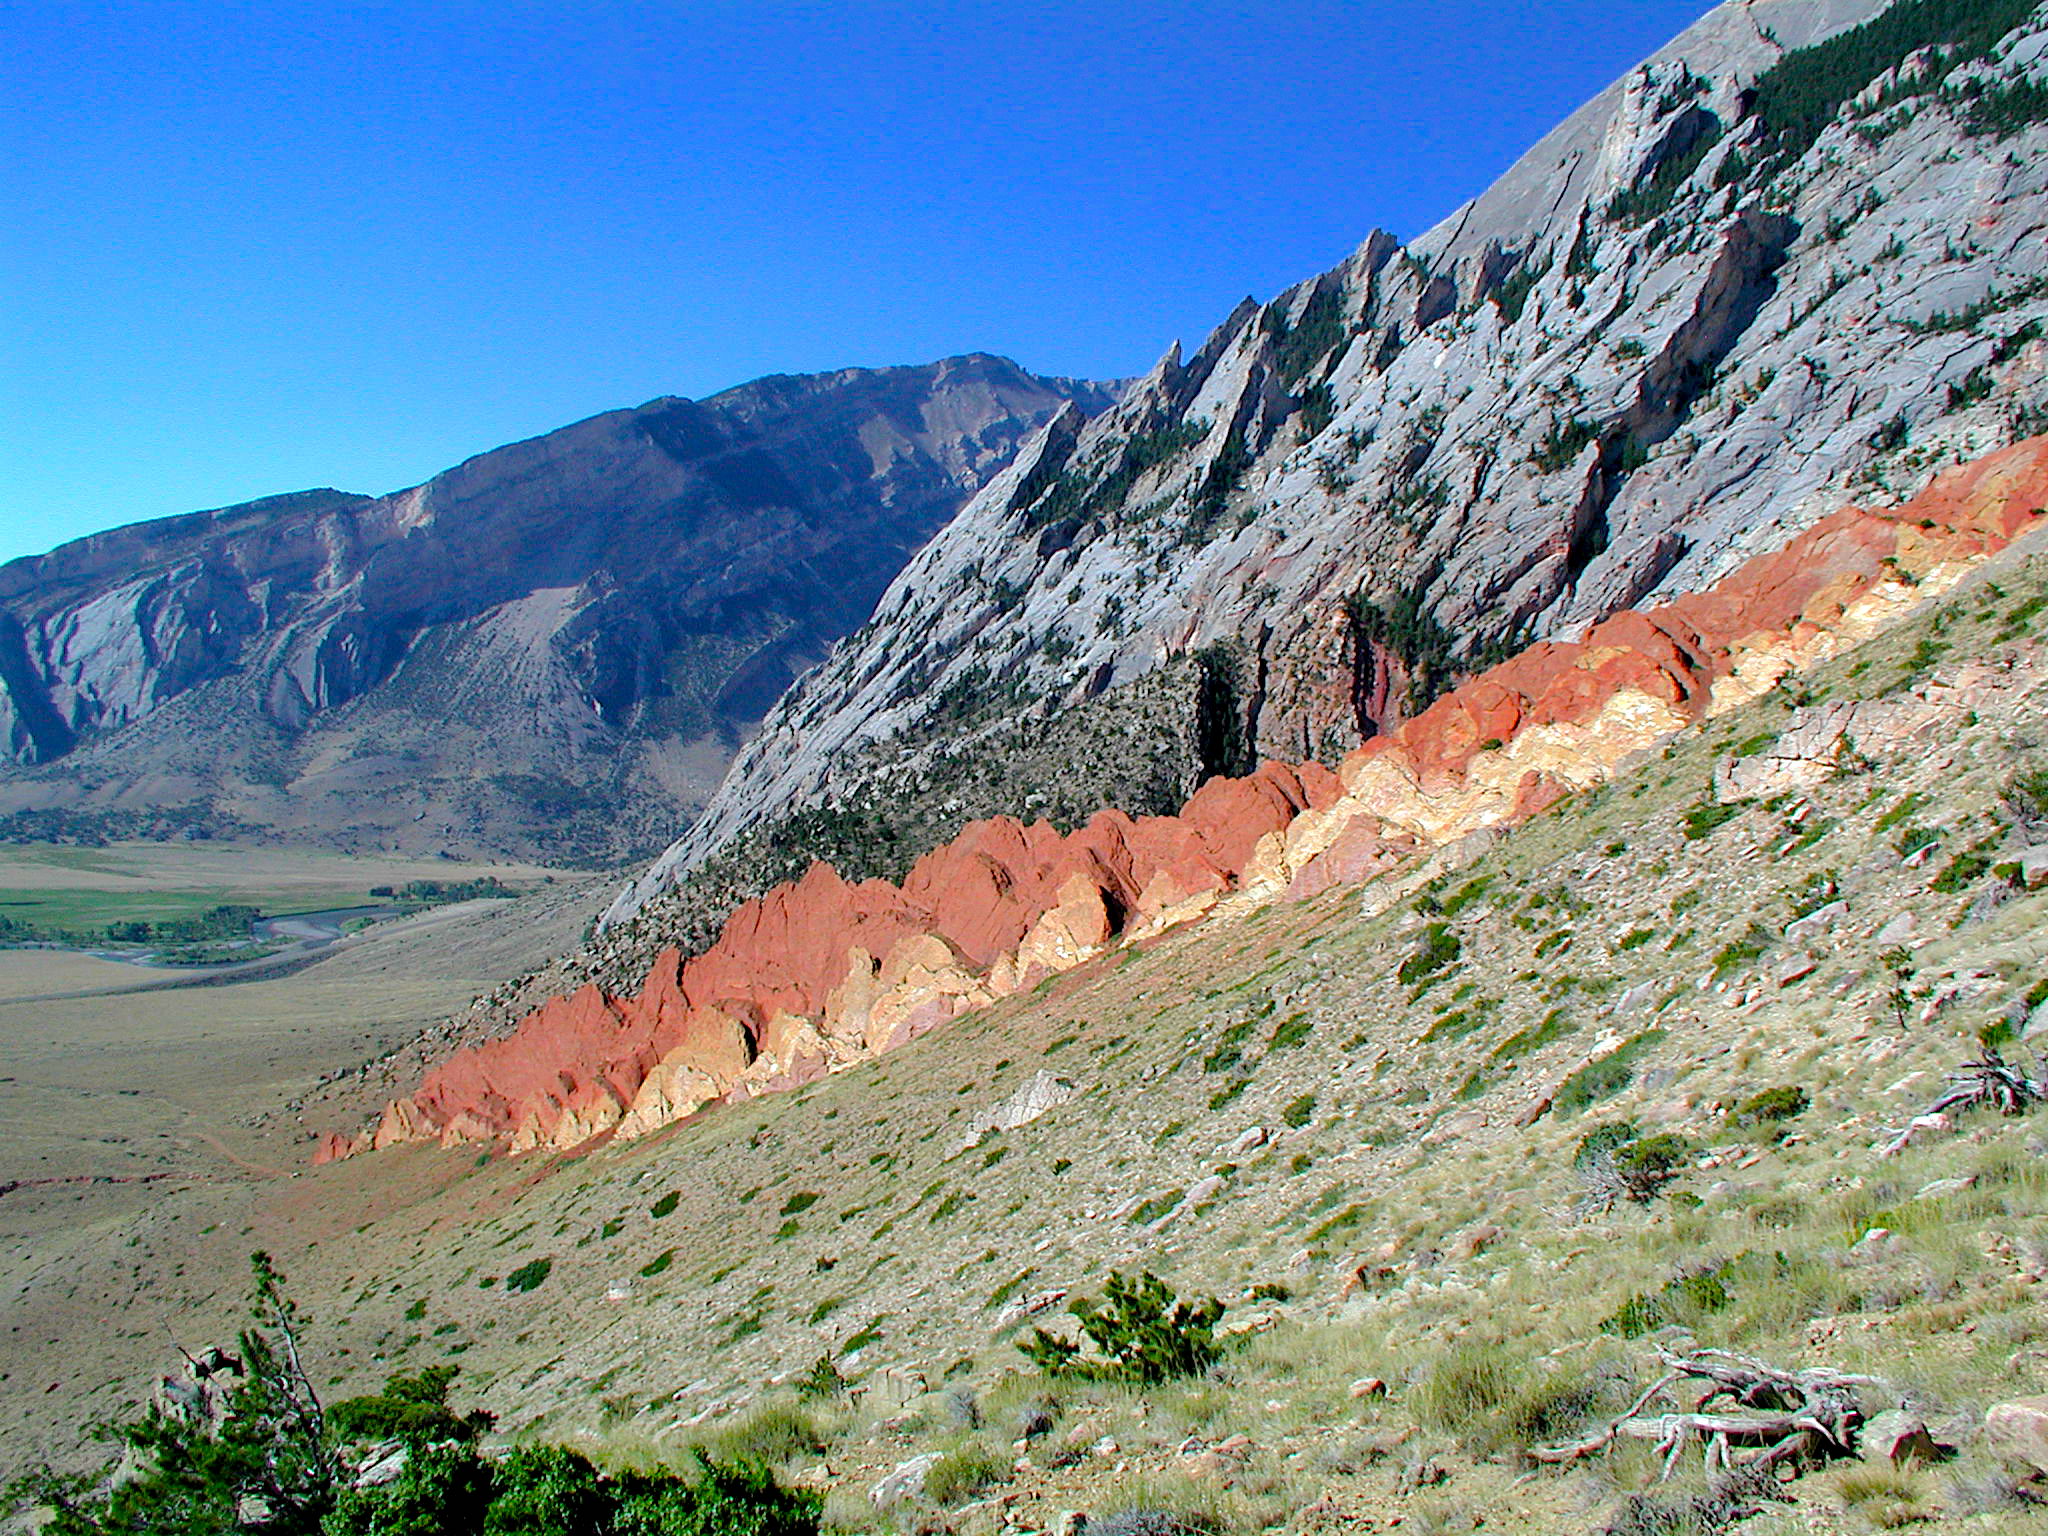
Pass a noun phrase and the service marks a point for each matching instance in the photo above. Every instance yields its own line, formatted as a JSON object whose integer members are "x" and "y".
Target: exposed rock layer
{"x": 821, "y": 973}
{"x": 1655, "y": 347}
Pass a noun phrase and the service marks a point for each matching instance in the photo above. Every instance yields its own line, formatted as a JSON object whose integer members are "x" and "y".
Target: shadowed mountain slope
{"x": 551, "y": 649}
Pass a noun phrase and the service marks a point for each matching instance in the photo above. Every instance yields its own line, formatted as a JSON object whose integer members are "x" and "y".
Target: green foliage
{"x": 1796, "y": 98}
{"x": 803, "y": 1200}
{"x": 552, "y": 1491}
{"x": 269, "y": 1450}
{"x": 962, "y": 1473}
{"x": 772, "y": 1434}
{"x": 1291, "y": 1032}
{"x": 412, "y": 1408}
{"x": 1143, "y": 1333}
{"x": 1770, "y": 1107}
{"x": 1299, "y": 1111}
{"x": 1603, "y": 1079}
{"x": 1513, "y": 294}
{"x": 1963, "y": 871}
{"x": 1077, "y": 498}
{"x": 1743, "y": 949}
{"x": 1318, "y": 409}
{"x": 1319, "y": 332}
{"x": 1653, "y": 194}
{"x": 1683, "y": 1300}
{"x": 1226, "y": 470}
{"x": 1647, "y": 1165}
{"x": 666, "y": 1205}
{"x": 659, "y": 1263}
{"x": 1708, "y": 816}
{"x": 821, "y": 1383}
{"x": 1410, "y": 632}
{"x": 1561, "y": 447}
{"x": 1439, "y": 948}
{"x": 529, "y": 1275}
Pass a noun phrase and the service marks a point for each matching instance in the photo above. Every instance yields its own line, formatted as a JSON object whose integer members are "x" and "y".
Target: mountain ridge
{"x": 596, "y": 614}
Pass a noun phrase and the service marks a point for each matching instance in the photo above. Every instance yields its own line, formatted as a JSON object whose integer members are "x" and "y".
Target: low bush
{"x": 528, "y": 1276}
{"x": 773, "y": 1434}
{"x": 1144, "y": 1334}
{"x": 1769, "y": 1107}
{"x": 962, "y": 1473}
{"x": 412, "y": 1408}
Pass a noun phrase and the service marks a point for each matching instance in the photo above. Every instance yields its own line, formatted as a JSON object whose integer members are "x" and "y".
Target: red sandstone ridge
{"x": 1558, "y": 716}
{"x": 820, "y": 972}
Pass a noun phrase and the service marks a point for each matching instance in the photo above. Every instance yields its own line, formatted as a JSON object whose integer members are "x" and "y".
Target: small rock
{"x": 1203, "y": 1189}
{"x": 1368, "y": 1386}
{"x": 1936, "y": 1188}
{"x": 1072, "y": 1522}
{"x": 1420, "y": 1474}
{"x": 1474, "y": 1241}
{"x": 1249, "y": 1141}
{"x": 1876, "y": 1237}
{"x": 1106, "y": 1446}
{"x": 1802, "y": 930}
{"x": 2034, "y": 868}
{"x": 1901, "y": 1439}
{"x": 1794, "y": 968}
{"x": 1637, "y": 997}
{"x": 1536, "y": 1111}
{"x": 1898, "y": 930}
{"x": 1239, "y": 1446}
{"x": 906, "y": 1482}
{"x": 2019, "y": 1430}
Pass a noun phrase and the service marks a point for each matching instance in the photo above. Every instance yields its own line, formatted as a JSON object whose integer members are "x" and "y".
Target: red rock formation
{"x": 820, "y": 971}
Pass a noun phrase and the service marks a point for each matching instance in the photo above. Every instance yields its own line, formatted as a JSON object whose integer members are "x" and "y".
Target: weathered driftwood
{"x": 1752, "y": 1415}
{"x": 1990, "y": 1082}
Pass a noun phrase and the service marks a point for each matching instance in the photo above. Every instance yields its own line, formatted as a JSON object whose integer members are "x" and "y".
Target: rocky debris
{"x": 1794, "y": 967}
{"x": 1367, "y": 1387}
{"x": 2018, "y": 1430}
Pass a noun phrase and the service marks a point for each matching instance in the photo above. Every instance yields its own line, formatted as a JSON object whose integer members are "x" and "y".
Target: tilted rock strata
{"x": 822, "y": 973}
{"x": 1638, "y": 359}
{"x": 819, "y": 973}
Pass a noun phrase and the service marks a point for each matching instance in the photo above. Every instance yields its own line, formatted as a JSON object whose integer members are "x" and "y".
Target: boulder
{"x": 2018, "y": 1430}
{"x": 1902, "y": 1439}
{"x": 905, "y": 1482}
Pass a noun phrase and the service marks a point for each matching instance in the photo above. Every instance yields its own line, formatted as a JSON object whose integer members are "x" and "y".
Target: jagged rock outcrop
{"x": 821, "y": 973}
{"x": 1687, "y": 325}
{"x": 550, "y": 649}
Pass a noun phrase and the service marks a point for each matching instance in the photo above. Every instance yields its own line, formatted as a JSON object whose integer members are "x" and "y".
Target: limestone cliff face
{"x": 572, "y": 630}
{"x": 821, "y": 973}
{"x": 1677, "y": 332}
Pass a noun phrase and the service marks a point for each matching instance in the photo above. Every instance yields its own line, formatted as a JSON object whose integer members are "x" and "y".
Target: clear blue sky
{"x": 248, "y": 248}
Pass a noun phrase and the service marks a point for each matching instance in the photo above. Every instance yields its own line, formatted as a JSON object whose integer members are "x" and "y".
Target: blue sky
{"x": 248, "y": 248}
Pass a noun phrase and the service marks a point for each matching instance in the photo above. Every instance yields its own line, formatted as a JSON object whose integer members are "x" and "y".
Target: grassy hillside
{"x": 1327, "y": 1114}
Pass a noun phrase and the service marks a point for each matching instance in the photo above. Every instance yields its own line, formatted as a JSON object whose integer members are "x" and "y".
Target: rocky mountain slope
{"x": 1361, "y": 1119}
{"x": 1792, "y": 261}
{"x": 550, "y": 650}
{"x": 820, "y": 974}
